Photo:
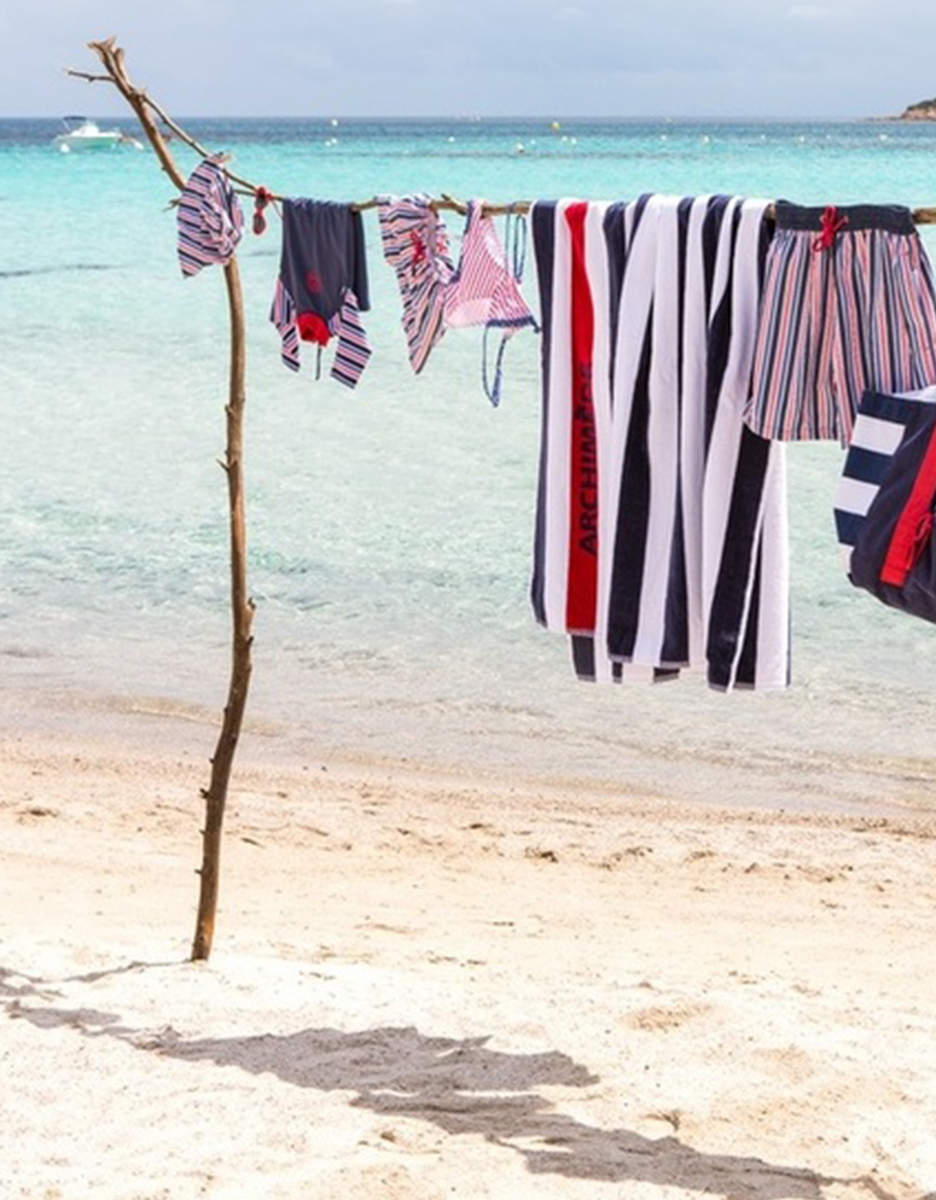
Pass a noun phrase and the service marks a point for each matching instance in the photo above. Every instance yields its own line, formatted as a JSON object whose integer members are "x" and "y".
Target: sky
{"x": 617, "y": 58}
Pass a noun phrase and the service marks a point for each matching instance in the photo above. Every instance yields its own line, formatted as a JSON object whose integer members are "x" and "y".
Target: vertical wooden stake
{"x": 215, "y": 795}
{"x": 242, "y": 620}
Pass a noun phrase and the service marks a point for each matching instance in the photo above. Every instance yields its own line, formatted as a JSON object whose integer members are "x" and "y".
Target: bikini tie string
{"x": 831, "y": 224}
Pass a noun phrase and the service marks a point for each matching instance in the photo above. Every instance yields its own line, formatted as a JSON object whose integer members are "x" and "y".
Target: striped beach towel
{"x": 661, "y": 534}
{"x": 884, "y": 505}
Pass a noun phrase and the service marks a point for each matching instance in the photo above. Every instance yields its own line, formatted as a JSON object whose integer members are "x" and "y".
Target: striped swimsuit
{"x": 415, "y": 244}
{"x": 209, "y": 219}
{"x": 660, "y": 534}
{"x": 322, "y": 286}
{"x": 849, "y": 304}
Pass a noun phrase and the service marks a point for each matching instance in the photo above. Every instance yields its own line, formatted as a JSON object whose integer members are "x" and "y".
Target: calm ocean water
{"x": 390, "y": 527}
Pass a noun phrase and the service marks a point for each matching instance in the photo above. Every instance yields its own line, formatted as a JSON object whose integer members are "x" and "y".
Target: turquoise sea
{"x": 390, "y": 528}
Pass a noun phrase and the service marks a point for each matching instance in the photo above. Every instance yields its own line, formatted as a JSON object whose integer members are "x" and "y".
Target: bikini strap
{"x": 493, "y": 391}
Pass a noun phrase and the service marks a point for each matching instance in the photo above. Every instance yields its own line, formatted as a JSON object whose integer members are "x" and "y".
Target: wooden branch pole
{"x": 242, "y": 619}
{"x": 215, "y": 795}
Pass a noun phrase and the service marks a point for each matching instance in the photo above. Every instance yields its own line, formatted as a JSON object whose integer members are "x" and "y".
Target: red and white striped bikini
{"x": 486, "y": 291}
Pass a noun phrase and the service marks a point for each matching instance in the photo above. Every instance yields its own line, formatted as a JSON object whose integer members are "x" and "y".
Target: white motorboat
{"x": 81, "y": 133}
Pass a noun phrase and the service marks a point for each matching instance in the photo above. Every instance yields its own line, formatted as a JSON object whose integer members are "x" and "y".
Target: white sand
{"x": 426, "y": 987}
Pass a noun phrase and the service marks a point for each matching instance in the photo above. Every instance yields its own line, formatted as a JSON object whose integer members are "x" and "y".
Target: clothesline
{"x": 439, "y": 204}
{"x": 921, "y": 216}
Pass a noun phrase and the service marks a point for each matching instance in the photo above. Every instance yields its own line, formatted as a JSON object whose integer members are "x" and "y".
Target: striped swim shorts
{"x": 849, "y": 304}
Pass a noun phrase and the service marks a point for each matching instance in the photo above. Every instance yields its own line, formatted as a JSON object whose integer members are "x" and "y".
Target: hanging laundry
{"x": 849, "y": 304}
{"x": 322, "y": 286}
{"x": 415, "y": 244}
{"x": 209, "y": 219}
{"x": 661, "y": 537}
{"x": 884, "y": 505}
{"x": 486, "y": 291}
{"x": 262, "y": 197}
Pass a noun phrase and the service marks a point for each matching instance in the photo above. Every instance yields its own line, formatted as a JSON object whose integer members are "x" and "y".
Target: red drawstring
{"x": 832, "y": 224}
{"x": 261, "y": 200}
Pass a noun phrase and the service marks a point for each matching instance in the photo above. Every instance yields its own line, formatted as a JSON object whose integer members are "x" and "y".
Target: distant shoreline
{"x": 923, "y": 110}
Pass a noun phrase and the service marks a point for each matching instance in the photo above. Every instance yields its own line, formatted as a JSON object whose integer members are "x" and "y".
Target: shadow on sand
{"x": 463, "y": 1087}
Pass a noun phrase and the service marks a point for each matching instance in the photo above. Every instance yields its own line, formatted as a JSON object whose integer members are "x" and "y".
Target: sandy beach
{"x": 429, "y": 984}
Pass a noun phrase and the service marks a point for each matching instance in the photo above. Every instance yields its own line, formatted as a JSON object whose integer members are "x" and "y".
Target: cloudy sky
{"x": 848, "y": 58}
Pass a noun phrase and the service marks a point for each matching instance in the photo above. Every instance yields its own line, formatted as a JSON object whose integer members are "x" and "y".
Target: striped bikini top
{"x": 209, "y": 220}
{"x": 485, "y": 290}
{"x": 415, "y": 244}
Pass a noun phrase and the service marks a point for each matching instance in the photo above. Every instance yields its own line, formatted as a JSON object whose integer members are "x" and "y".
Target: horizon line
{"x": 473, "y": 118}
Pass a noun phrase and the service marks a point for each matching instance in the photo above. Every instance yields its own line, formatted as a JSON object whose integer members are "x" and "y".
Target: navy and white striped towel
{"x": 881, "y": 427}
